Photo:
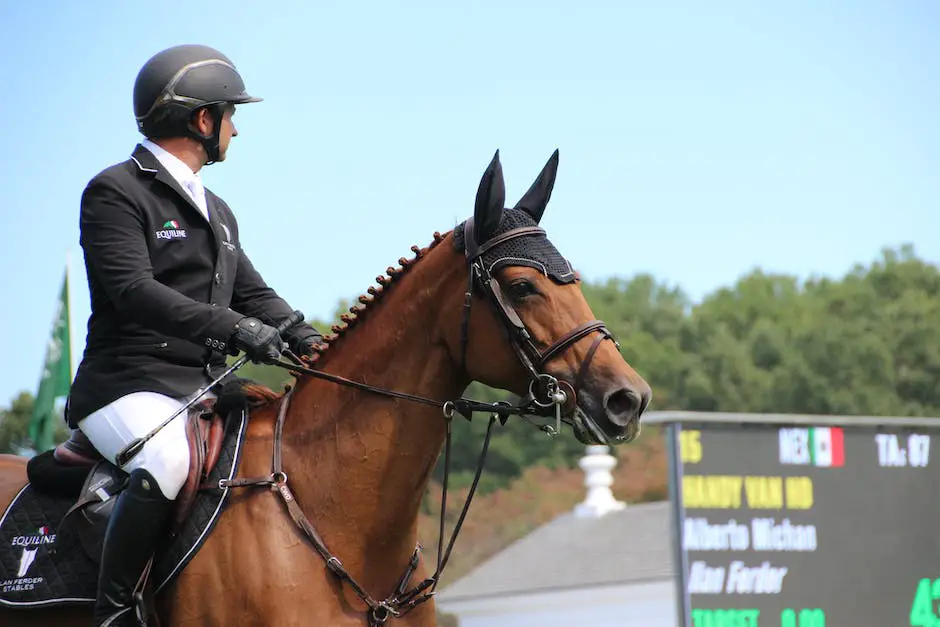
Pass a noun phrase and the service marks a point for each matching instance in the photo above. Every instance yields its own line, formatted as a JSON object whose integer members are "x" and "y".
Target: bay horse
{"x": 491, "y": 301}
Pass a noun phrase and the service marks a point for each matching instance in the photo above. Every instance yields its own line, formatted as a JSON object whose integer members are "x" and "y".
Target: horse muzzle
{"x": 588, "y": 431}
{"x": 611, "y": 417}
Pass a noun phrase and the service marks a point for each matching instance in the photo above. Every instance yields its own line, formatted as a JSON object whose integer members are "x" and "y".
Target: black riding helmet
{"x": 177, "y": 82}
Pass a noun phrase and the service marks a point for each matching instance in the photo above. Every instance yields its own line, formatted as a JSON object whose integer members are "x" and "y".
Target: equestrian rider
{"x": 172, "y": 292}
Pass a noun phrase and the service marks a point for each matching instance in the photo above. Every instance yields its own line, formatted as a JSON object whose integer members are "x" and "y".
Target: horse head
{"x": 538, "y": 337}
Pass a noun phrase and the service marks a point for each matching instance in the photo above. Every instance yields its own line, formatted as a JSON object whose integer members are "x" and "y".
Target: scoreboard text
{"x": 809, "y": 526}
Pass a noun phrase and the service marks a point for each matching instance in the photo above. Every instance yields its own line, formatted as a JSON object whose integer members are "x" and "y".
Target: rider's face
{"x": 228, "y": 131}
{"x": 204, "y": 124}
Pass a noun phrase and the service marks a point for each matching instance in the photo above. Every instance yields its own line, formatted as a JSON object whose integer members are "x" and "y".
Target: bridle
{"x": 546, "y": 396}
{"x": 545, "y": 391}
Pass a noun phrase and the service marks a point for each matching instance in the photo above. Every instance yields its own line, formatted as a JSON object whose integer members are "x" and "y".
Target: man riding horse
{"x": 172, "y": 292}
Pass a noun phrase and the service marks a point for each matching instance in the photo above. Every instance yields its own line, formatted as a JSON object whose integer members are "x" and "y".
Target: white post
{"x": 597, "y": 464}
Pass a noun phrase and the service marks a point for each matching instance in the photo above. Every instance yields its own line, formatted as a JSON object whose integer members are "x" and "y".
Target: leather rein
{"x": 545, "y": 394}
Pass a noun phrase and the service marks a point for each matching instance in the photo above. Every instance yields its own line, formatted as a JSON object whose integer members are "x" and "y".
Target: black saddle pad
{"x": 40, "y": 567}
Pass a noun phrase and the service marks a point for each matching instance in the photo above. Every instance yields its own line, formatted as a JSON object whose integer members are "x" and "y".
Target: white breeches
{"x": 165, "y": 456}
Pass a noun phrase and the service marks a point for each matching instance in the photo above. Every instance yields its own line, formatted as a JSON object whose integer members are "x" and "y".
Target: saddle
{"x": 102, "y": 480}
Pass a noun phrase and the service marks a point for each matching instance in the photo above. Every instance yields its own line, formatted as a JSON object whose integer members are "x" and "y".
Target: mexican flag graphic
{"x": 827, "y": 447}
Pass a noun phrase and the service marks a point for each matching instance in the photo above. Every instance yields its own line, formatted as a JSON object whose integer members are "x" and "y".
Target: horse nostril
{"x": 623, "y": 405}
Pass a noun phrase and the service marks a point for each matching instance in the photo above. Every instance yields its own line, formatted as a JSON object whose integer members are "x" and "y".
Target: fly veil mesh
{"x": 533, "y": 250}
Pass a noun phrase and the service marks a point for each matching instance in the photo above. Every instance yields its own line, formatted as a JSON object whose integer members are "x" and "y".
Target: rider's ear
{"x": 536, "y": 199}
{"x": 491, "y": 198}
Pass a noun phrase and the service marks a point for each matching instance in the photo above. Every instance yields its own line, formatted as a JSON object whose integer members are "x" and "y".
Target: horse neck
{"x": 364, "y": 458}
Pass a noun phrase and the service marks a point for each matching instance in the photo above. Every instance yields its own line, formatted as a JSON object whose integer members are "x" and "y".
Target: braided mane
{"x": 366, "y": 302}
{"x": 252, "y": 394}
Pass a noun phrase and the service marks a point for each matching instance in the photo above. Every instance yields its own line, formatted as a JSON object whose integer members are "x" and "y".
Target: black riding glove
{"x": 261, "y": 342}
{"x": 303, "y": 339}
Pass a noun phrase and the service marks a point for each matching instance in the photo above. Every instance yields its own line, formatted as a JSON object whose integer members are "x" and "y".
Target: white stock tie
{"x": 198, "y": 193}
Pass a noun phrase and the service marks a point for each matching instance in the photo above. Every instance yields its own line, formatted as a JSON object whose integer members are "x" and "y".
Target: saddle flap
{"x": 104, "y": 482}
{"x": 205, "y": 431}
{"x": 214, "y": 443}
{"x": 95, "y": 503}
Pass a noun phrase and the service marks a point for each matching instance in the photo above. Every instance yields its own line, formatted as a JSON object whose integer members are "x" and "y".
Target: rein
{"x": 545, "y": 393}
{"x": 464, "y": 406}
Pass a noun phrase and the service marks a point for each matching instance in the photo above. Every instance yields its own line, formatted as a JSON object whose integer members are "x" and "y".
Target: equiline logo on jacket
{"x": 171, "y": 230}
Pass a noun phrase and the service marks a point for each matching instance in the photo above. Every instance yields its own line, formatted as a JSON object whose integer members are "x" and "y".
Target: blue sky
{"x": 697, "y": 140}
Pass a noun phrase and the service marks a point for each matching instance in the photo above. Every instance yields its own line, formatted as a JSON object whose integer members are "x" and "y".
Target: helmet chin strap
{"x": 211, "y": 141}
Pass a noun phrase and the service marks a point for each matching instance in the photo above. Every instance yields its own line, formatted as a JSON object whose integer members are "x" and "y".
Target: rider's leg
{"x": 156, "y": 475}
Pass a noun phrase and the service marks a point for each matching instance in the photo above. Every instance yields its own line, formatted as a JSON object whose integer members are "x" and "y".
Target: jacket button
{"x": 218, "y": 278}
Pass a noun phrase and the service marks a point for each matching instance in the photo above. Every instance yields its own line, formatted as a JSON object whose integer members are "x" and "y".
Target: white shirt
{"x": 188, "y": 180}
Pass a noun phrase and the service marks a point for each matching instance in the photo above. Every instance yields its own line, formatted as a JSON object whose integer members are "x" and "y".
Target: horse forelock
{"x": 250, "y": 394}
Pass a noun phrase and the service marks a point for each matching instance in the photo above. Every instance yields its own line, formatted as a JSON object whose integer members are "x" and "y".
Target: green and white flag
{"x": 56, "y": 377}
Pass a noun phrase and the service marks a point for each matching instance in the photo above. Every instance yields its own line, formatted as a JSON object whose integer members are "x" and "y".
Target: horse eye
{"x": 521, "y": 289}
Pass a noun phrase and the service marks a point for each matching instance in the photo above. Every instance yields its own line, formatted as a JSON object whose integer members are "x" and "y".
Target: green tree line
{"x": 867, "y": 343}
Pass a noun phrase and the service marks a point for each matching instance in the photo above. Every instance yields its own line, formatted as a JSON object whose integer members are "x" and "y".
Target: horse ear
{"x": 536, "y": 199}
{"x": 491, "y": 198}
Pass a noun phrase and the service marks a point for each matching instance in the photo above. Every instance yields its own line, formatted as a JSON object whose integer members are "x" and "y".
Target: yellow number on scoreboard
{"x": 690, "y": 444}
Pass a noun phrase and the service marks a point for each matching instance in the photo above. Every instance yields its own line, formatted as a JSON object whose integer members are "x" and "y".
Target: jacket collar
{"x": 145, "y": 161}
{"x": 148, "y": 165}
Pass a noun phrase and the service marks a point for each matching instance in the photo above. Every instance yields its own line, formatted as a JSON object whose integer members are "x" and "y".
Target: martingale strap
{"x": 277, "y": 480}
{"x": 403, "y": 600}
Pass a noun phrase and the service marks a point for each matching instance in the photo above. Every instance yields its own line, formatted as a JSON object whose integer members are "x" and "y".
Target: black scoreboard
{"x": 807, "y": 526}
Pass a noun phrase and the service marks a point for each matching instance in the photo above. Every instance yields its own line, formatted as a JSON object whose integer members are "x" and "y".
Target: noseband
{"x": 545, "y": 392}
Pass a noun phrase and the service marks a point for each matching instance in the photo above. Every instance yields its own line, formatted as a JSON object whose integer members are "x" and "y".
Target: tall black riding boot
{"x": 136, "y": 524}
